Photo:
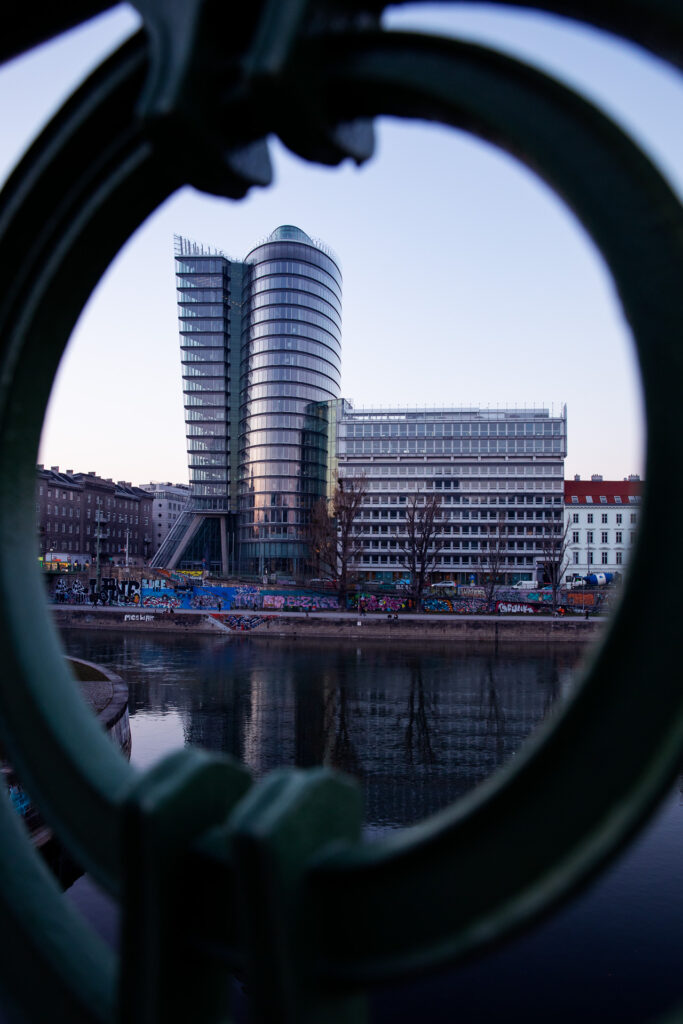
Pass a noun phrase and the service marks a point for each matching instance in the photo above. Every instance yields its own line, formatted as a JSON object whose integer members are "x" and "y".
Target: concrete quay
{"x": 469, "y": 629}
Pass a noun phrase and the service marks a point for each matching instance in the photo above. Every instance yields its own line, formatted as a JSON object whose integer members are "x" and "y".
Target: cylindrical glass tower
{"x": 291, "y": 356}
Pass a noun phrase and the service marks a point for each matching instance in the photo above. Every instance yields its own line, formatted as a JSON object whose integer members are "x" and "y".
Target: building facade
{"x": 78, "y": 512}
{"x": 169, "y": 503}
{"x": 498, "y": 476}
{"x": 601, "y": 519}
{"x": 260, "y": 343}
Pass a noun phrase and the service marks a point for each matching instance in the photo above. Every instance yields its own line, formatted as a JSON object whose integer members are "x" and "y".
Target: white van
{"x": 525, "y": 585}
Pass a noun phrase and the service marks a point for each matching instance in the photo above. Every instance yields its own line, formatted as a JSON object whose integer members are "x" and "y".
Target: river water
{"x": 418, "y": 726}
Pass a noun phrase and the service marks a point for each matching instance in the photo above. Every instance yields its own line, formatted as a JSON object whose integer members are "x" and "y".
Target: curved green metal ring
{"x": 55, "y": 255}
{"x": 63, "y": 218}
{"x": 565, "y": 804}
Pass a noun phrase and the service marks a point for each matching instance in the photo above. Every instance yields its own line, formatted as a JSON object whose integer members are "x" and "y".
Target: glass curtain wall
{"x": 291, "y": 352}
{"x": 203, "y": 283}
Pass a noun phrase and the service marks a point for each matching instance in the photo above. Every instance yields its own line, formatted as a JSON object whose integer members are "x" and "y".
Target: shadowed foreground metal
{"x": 288, "y": 894}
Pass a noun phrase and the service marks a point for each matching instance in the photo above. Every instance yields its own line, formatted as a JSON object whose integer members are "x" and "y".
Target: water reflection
{"x": 417, "y": 725}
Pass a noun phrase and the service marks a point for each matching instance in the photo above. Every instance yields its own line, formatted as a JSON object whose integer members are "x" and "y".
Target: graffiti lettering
{"x": 516, "y": 608}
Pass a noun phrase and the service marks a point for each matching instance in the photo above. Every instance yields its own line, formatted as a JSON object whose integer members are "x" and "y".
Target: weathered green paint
{"x": 285, "y": 892}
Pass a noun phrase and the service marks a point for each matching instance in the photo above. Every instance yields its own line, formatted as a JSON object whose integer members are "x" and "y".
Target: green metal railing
{"x": 284, "y": 891}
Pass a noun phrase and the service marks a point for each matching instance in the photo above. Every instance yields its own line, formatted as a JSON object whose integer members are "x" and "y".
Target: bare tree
{"x": 322, "y": 541}
{"x": 421, "y": 547}
{"x": 494, "y": 554}
{"x": 346, "y": 504}
{"x": 555, "y": 556}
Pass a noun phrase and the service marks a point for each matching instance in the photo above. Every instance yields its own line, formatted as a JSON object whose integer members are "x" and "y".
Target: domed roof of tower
{"x": 289, "y": 233}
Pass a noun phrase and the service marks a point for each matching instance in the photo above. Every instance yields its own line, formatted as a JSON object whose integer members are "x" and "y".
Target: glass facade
{"x": 203, "y": 281}
{"x": 291, "y": 351}
{"x": 498, "y": 476}
{"x": 260, "y": 345}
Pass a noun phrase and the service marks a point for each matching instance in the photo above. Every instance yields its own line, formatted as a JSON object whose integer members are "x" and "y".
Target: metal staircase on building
{"x": 172, "y": 539}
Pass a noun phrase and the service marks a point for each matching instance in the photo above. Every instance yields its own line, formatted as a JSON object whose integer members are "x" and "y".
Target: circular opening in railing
{"x": 390, "y": 564}
{"x": 486, "y": 366}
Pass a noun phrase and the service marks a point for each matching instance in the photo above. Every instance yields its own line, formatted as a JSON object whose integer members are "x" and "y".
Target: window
{"x": 603, "y": 537}
{"x": 619, "y": 558}
{"x": 589, "y": 517}
{"x": 618, "y": 537}
{"x": 589, "y": 537}
{"x": 575, "y": 537}
{"x": 604, "y": 517}
{"x": 575, "y": 517}
{"x": 604, "y": 557}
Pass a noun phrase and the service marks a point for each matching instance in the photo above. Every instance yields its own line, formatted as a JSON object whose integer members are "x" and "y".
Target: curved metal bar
{"x": 79, "y": 193}
{"x": 47, "y": 20}
{"x": 656, "y": 25}
{"x": 563, "y": 807}
{"x": 50, "y": 958}
{"x": 406, "y": 903}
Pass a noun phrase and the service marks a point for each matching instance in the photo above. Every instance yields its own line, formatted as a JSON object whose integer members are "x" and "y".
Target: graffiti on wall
{"x": 113, "y": 591}
{"x": 163, "y": 599}
{"x": 301, "y": 602}
{"x": 377, "y": 603}
{"x": 517, "y": 608}
{"x": 454, "y": 605}
{"x": 243, "y": 623}
{"x": 67, "y": 591}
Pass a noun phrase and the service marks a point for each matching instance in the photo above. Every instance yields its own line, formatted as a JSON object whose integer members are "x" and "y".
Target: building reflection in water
{"x": 417, "y": 725}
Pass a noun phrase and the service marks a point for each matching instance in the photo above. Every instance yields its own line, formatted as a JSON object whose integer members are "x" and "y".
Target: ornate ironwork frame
{"x": 284, "y": 889}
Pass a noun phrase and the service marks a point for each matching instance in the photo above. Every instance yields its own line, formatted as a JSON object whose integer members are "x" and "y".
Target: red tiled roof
{"x": 597, "y": 489}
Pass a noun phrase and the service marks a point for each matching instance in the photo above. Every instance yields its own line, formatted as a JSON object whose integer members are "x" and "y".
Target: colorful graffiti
{"x": 517, "y": 608}
{"x": 377, "y": 603}
{"x": 112, "y": 591}
{"x": 454, "y": 605}
{"x": 243, "y": 623}
{"x": 67, "y": 591}
{"x": 163, "y": 600}
{"x": 301, "y": 602}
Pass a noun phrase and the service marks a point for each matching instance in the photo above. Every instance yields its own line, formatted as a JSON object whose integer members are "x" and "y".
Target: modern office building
{"x": 291, "y": 361}
{"x": 601, "y": 518}
{"x": 268, "y": 435}
{"x": 498, "y": 475}
{"x": 260, "y": 343}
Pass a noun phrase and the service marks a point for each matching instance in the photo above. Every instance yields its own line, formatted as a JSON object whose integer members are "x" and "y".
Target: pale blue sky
{"x": 466, "y": 282}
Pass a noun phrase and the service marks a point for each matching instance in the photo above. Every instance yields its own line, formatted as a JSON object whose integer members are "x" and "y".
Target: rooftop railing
{"x": 284, "y": 891}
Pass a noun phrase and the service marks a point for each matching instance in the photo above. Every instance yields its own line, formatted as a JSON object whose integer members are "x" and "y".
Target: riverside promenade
{"x": 334, "y": 624}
